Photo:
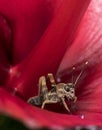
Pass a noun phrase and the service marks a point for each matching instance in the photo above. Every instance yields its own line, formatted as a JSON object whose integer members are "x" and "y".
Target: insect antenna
{"x": 73, "y": 74}
{"x": 80, "y": 73}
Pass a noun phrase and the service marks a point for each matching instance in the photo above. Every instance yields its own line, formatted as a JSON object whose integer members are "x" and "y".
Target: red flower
{"x": 34, "y": 37}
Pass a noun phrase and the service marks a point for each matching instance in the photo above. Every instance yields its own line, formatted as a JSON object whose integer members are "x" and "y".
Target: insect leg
{"x": 48, "y": 102}
{"x": 52, "y": 80}
{"x": 42, "y": 86}
{"x": 65, "y": 105}
{"x": 75, "y": 99}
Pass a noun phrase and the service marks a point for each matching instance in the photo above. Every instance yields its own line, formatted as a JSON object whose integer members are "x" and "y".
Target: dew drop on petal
{"x": 58, "y": 79}
{"x": 82, "y": 116}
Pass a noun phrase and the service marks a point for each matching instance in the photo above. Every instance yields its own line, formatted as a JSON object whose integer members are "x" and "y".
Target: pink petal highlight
{"x": 87, "y": 46}
{"x": 47, "y": 54}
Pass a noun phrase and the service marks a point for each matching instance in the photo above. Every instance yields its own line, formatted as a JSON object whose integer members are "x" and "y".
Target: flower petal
{"x": 90, "y": 95}
{"x": 5, "y": 39}
{"x": 88, "y": 40}
{"x": 35, "y": 117}
{"x": 28, "y": 20}
{"x": 87, "y": 45}
{"x": 48, "y": 53}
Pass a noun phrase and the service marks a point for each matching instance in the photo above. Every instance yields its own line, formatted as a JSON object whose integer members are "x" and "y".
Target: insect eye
{"x": 67, "y": 89}
{"x": 70, "y": 85}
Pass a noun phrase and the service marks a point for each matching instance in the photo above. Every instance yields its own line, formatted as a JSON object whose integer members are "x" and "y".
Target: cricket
{"x": 59, "y": 92}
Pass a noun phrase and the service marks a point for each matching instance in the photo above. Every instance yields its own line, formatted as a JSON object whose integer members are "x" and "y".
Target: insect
{"x": 58, "y": 92}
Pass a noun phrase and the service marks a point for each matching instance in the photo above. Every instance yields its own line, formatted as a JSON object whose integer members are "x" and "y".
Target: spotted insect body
{"x": 58, "y": 92}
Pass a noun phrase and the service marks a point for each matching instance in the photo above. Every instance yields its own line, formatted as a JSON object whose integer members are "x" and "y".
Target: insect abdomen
{"x": 37, "y": 100}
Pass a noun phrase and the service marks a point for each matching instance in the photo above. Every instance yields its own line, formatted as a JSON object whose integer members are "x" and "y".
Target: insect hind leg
{"x": 48, "y": 102}
{"x": 42, "y": 86}
{"x": 52, "y": 80}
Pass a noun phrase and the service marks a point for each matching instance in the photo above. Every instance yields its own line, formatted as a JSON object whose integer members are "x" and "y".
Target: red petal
{"x": 35, "y": 117}
{"x": 47, "y": 54}
{"x": 5, "y": 39}
{"x": 88, "y": 46}
{"x": 90, "y": 95}
{"x": 28, "y": 20}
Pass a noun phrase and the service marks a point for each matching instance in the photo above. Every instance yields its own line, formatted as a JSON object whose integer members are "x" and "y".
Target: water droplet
{"x": 82, "y": 116}
{"x": 58, "y": 79}
{"x": 86, "y": 62}
{"x": 73, "y": 68}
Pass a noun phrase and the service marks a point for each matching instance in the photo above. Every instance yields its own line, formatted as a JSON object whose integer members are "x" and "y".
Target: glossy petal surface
{"x": 87, "y": 46}
{"x": 28, "y": 21}
{"x": 48, "y": 53}
{"x": 44, "y": 42}
{"x": 35, "y": 117}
